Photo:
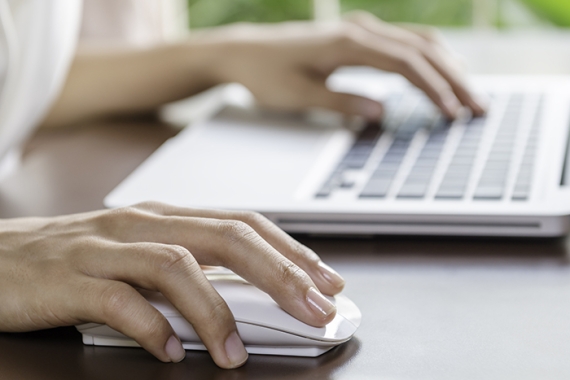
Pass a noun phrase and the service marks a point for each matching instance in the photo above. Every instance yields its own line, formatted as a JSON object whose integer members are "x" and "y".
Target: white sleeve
{"x": 135, "y": 22}
{"x": 44, "y": 33}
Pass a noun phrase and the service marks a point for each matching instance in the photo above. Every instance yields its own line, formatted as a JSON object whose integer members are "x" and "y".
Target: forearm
{"x": 111, "y": 81}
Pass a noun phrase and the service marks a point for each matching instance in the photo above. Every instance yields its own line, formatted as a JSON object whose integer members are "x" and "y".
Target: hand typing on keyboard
{"x": 286, "y": 65}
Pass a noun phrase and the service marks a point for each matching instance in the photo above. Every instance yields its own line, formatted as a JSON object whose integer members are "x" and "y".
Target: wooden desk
{"x": 433, "y": 308}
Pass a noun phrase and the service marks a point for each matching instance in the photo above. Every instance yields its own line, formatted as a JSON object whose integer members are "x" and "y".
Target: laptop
{"x": 411, "y": 173}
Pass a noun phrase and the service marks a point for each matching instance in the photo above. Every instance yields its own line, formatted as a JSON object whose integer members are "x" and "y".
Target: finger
{"x": 439, "y": 59}
{"x": 430, "y": 48}
{"x": 175, "y": 273}
{"x": 235, "y": 245}
{"x": 354, "y": 47}
{"x": 428, "y": 33}
{"x": 394, "y": 56}
{"x": 122, "y": 308}
{"x": 327, "y": 280}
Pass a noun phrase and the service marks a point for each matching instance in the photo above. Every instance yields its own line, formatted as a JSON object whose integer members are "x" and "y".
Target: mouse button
{"x": 226, "y": 276}
{"x": 95, "y": 329}
{"x": 159, "y": 302}
{"x": 243, "y": 295}
{"x": 87, "y": 326}
{"x": 251, "y": 305}
{"x": 252, "y": 334}
{"x": 183, "y": 329}
{"x": 348, "y": 309}
{"x": 339, "y": 330}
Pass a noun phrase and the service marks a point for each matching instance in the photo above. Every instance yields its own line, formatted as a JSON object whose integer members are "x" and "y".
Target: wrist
{"x": 210, "y": 55}
{"x": 226, "y": 49}
{"x": 201, "y": 59}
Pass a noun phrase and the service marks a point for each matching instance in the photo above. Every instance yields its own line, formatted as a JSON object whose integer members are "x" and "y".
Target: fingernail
{"x": 174, "y": 349}
{"x": 319, "y": 303}
{"x": 479, "y": 106}
{"x": 331, "y": 275}
{"x": 369, "y": 109}
{"x": 235, "y": 350}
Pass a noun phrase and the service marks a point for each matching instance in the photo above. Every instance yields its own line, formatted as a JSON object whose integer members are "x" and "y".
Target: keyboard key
{"x": 457, "y": 176}
{"x": 355, "y": 161}
{"x": 489, "y": 193}
{"x": 375, "y": 189}
{"x": 521, "y": 192}
{"x": 355, "y": 158}
{"x": 491, "y": 185}
{"x": 410, "y": 190}
{"x": 384, "y": 174}
{"x": 523, "y": 183}
{"x": 450, "y": 193}
{"x": 324, "y": 192}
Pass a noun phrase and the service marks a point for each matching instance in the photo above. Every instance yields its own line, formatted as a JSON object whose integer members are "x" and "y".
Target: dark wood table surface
{"x": 433, "y": 308}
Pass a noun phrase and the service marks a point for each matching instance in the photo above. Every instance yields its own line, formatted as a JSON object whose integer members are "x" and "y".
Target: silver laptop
{"x": 411, "y": 173}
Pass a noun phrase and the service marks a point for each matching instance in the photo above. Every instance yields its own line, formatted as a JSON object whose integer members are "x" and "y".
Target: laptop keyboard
{"x": 416, "y": 154}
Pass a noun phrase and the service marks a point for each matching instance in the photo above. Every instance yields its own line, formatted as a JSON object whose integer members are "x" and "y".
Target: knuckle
{"x": 289, "y": 273}
{"x": 427, "y": 50}
{"x": 430, "y": 34}
{"x": 360, "y": 17}
{"x": 149, "y": 206}
{"x": 120, "y": 216}
{"x": 303, "y": 251}
{"x": 219, "y": 313}
{"x": 408, "y": 59}
{"x": 115, "y": 222}
{"x": 236, "y": 231}
{"x": 175, "y": 258}
{"x": 345, "y": 35}
{"x": 154, "y": 328}
{"x": 115, "y": 299}
{"x": 254, "y": 218}
{"x": 215, "y": 320}
{"x": 129, "y": 212}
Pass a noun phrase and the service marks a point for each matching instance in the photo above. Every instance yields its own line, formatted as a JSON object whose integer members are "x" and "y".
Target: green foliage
{"x": 557, "y": 11}
{"x": 435, "y": 12}
{"x": 205, "y": 13}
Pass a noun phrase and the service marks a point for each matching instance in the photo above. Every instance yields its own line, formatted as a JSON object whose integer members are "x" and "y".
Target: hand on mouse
{"x": 82, "y": 268}
{"x": 286, "y": 65}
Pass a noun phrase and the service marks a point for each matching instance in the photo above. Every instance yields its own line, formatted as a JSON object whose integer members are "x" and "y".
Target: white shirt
{"x": 37, "y": 42}
{"x": 134, "y": 22}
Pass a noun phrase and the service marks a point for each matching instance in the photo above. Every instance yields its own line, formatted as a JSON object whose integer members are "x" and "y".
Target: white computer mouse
{"x": 263, "y": 326}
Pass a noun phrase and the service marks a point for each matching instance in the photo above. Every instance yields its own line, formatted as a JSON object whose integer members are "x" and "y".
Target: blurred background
{"x": 451, "y": 13}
